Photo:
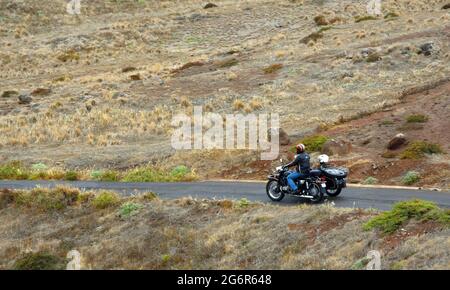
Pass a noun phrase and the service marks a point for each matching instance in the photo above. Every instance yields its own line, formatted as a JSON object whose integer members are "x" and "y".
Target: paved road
{"x": 254, "y": 191}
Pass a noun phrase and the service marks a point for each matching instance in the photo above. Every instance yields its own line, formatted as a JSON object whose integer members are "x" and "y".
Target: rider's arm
{"x": 292, "y": 163}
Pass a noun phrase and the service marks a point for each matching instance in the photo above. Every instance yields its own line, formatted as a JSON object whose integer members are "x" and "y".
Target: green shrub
{"x": 39, "y": 167}
{"x": 109, "y": 175}
{"x": 149, "y": 174}
{"x": 105, "y": 199}
{"x": 391, "y": 15}
{"x": 149, "y": 196}
{"x": 40, "y": 261}
{"x": 129, "y": 209}
{"x": 320, "y": 20}
{"x": 273, "y": 68}
{"x": 364, "y": 18}
{"x": 373, "y": 57}
{"x": 389, "y": 154}
{"x": 418, "y": 149}
{"x": 370, "y": 180}
{"x": 14, "y": 171}
{"x": 313, "y": 143}
{"x": 243, "y": 203}
{"x": 312, "y": 37}
{"x": 387, "y": 122}
{"x": 411, "y": 177}
{"x": 71, "y": 175}
{"x": 390, "y": 221}
{"x": 417, "y": 118}
{"x": 47, "y": 199}
{"x": 228, "y": 63}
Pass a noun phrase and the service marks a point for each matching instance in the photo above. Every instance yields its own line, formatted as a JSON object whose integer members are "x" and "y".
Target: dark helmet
{"x": 300, "y": 148}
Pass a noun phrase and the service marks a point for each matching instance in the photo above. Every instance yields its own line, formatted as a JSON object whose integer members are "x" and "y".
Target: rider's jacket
{"x": 301, "y": 163}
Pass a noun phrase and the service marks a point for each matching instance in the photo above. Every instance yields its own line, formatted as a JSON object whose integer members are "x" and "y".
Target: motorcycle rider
{"x": 302, "y": 167}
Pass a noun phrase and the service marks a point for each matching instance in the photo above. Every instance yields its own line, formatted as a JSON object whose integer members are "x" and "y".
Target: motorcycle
{"x": 335, "y": 178}
{"x": 312, "y": 188}
{"x": 325, "y": 179}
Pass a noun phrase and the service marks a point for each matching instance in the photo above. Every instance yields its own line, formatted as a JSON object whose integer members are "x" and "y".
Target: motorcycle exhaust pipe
{"x": 305, "y": 196}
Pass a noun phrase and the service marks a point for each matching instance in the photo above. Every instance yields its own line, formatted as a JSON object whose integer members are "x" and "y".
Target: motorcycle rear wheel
{"x": 273, "y": 191}
{"x": 332, "y": 188}
{"x": 316, "y": 192}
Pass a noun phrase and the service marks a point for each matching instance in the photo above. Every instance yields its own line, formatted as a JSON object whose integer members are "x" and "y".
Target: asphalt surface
{"x": 254, "y": 191}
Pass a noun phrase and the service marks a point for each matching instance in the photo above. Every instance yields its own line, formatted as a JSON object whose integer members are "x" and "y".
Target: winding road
{"x": 357, "y": 197}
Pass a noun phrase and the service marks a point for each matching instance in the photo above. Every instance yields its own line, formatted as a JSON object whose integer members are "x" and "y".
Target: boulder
{"x": 210, "y": 5}
{"x": 398, "y": 141}
{"x": 41, "y": 92}
{"x": 428, "y": 48}
{"x": 284, "y": 137}
{"x": 336, "y": 147}
{"x": 25, "y": 99}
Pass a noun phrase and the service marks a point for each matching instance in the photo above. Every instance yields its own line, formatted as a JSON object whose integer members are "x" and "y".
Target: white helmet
{"x": 323, "y": 158}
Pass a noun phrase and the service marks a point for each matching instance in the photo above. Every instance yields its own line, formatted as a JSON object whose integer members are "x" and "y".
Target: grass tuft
{"x": 105, "y": 200}
{"x": 47, "y": 199}
{"x": 129, "y": 209}
{"x": 273, "y": 68}
{"x": 370, "y": 180}
{"x": 149, "y": 174}
{"x": 417, "y": 118}
{"x": 364, "y": 18}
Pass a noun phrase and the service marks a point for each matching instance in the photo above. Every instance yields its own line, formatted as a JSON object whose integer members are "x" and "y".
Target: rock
{"x": 9, "y": 94}
{"x": 128, "y": 69}
{"x": 428, "y": 48}
{"x": 336, "y": 147}
{"x": 210, "y": 5}
{"x": 136, "y": 77}
{"x": 41, "y": 92}
{"x": 396, "y": 142}
{"x": 284, "y": 137}
{"x": 25, "y": 99}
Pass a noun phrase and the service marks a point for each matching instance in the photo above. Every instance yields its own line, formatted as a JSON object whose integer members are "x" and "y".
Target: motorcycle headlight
{"x": 279, "y": 168}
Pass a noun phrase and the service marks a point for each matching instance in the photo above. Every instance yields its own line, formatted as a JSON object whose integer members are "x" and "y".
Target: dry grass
{"x": 220, "y": 52}
{"x": 221, "y": 234}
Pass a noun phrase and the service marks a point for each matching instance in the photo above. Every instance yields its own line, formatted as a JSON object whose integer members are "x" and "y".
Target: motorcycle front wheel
{"x": 273, "y": 191}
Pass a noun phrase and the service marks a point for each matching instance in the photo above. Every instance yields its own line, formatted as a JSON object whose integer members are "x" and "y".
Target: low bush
{"x": 129, "y": 209}
{"x": 418, "y": 149}
{"x": 313, "y": 143}
{"x": 370, "y": 180}
{"x": 390, "y": 221}
{"x": 47, "y": 199}
{"x": 40, "y": 261}
{"x": 411, "y": 177}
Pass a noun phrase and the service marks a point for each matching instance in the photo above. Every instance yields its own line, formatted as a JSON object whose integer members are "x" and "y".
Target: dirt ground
{"x": 105, "y": 84}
